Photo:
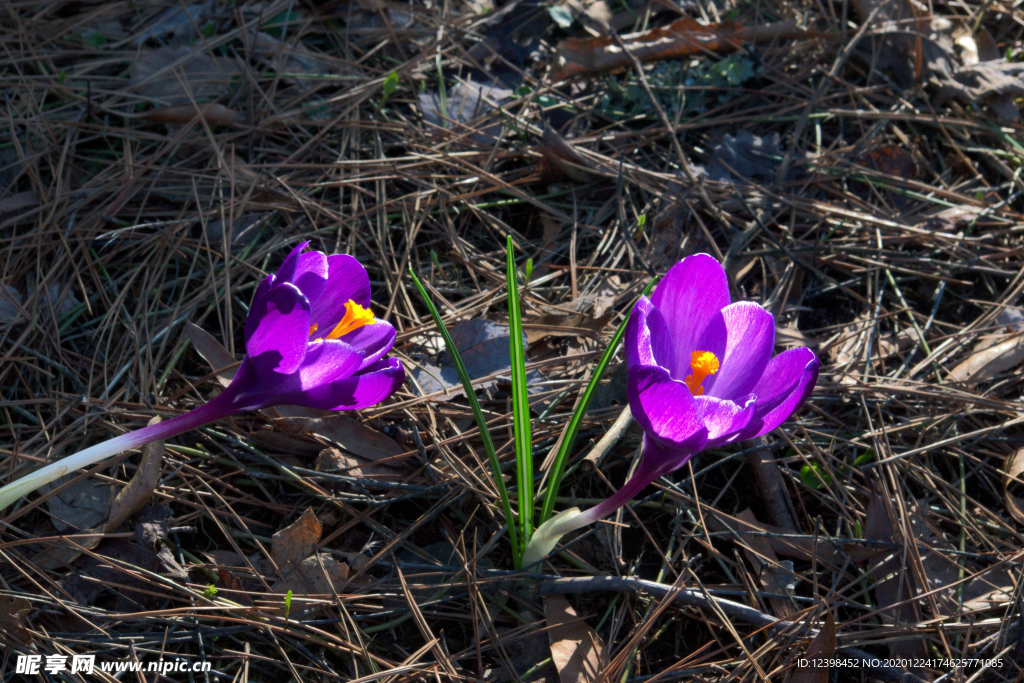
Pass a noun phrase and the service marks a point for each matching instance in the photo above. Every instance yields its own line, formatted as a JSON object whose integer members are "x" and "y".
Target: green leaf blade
{"x": 569, "y": 436}
{"x": 520, "y": 399}
{"x": 478, "y": 414}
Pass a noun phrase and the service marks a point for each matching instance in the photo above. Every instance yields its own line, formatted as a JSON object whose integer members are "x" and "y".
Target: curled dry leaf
{"x": 243, "y": 231}
{"x": 136, "y": 494}
{"x": 775, "y": 577}
{"x": 578, "y": 652}
{"x": 1013, "y": 469}
{"x": 781, "y": 540}
{"x": 822, "y": 647}
{"x": 917, "y": 47}
{"x": 55, "y": 300}
{"x": 151, "y": 529}
{"x": 220, "y": 361}
{"x": 561, "y": 155}
{"x": 296, "y": 542}
{"x": 128, "y": 501}
{"x": 684, "y": 36}
{"x": 214, "y": 114}
{"x": 990, "y": 587}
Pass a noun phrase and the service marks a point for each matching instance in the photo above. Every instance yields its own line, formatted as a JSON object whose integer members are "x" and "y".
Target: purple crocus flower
{"x": 701, "y": 374}
{"x": 310, "y": 340}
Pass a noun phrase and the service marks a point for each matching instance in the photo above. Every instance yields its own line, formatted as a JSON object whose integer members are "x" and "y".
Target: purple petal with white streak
{"x": 278, "y": 326}
{"x": 352, "y": 393}
{"x": 787, "y": 381}
{"x": 346, "y": 279}
{"x": 690, "y": 295}
{"x": 742, "y": 336}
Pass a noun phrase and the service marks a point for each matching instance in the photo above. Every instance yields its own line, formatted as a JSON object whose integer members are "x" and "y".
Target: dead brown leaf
{"x": 989, "y": 359}
{"x": 10, "y": 303}
{"x": 578, "y": 652}
{"x": 220, "y": 361}
{"x": 781, "y": 540}
{"x": 822, "y": 647}
{"x": 128, "y": 501}
{"x": 344, "y": 431}
{"x": 561, "y": 325}
{"x": 684, "y": 36}
{"x": 891, "y": 160}
{"x": 292, "y": 61}
{"x": 334, "y": 459}
{"x": 80, "y": 506}
{"x": 314, "y": 575}
{"x": 137, "y": 493}
{"x": 19, "y": 201}
{"x": 1013, "y": 468}
{"x": 298, "y": 541}
{"x": 563, "y": 156}
{"x": 989, "y": 587}
{"x": 919, "y": 48}
{"x": 180, "y": 75}
{"x": 214, "y": 114}
{"x": 774, "y": 576}
{"x": 894, "y": 583}
{"x": 13, "y": 612}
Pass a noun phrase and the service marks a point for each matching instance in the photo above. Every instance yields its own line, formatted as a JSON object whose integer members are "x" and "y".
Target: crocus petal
{"x": 648, "y": 339}
{"x": 665, "y": 408}
{"x": 278, "y": 324}
{"x": 689, "y": 296}
{"x": 263, "y": 288}
{"x": 307, "y": 271}
{"x": 786, "y": 382}
{"x": 724, "y": 419}
{"x": 742, "y": 335}
{"x": 353, "y": 393}
{"x": 327, "y": 360}
{"x": 346, "y": 279}
{"x": 372, "y": 341}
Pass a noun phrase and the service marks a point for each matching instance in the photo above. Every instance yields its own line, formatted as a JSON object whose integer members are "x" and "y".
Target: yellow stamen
{"x": 355, "y": 317}
{"x": 702, "y": 363}
{"x": 313, "y": 329}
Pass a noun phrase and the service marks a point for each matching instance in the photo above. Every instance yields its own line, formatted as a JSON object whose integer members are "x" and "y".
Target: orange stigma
{"x": 355, "y": 317}
{"x": 702, "y": 363}
{"x": 313, "y": 329}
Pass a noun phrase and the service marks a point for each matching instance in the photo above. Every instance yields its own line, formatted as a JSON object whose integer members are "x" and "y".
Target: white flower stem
{"x": 208, "y": 412}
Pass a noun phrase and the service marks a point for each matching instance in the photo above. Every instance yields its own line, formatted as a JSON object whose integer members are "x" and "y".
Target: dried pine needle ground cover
{"x": 856, "y": 167}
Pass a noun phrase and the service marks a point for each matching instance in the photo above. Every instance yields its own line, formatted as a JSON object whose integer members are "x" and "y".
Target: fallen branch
{"x": 684, "y": 36}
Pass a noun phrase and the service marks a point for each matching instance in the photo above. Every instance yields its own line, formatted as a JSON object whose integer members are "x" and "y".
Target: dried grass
{"x": 895, "y": 255}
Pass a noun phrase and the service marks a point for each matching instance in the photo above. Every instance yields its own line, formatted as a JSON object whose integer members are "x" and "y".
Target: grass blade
{"x": 474, "y": 404}
{"x": 569, "y": 437}
{"x": 520, "y": 399}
